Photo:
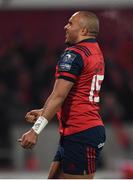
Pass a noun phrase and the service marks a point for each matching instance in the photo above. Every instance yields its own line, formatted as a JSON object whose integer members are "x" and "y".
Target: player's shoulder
{"x": 70, "y": 54}
{"x": 81, "y": 48}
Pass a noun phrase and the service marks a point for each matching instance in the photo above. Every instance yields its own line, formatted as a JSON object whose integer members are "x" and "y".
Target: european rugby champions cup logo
{"x": 67, "y": 57}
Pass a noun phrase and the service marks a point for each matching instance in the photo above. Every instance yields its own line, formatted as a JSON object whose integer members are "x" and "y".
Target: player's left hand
{"x": 29, "y": 139}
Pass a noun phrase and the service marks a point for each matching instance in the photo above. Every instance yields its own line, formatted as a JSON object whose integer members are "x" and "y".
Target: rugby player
{"x": 75, "y": 99}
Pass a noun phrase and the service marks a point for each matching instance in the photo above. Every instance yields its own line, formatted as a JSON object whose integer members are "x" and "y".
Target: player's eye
{"x": 70, "y": 23}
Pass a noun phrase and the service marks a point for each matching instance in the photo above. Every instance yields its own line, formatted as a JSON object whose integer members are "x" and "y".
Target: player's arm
{"x": 56, "y": 99}
{"x": 52, "y": 105}
{"x": 69, "y": 68}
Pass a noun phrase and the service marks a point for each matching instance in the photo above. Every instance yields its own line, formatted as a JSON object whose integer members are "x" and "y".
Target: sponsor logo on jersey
{"x": 101, "y": 145}
{"x": 66, "y": 61}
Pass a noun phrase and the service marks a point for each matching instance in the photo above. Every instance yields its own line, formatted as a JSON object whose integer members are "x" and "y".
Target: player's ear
{"x": 84, "y": 31}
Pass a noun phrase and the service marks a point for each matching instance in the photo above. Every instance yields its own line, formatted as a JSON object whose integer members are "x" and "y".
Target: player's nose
{"x": 66, "y": 27}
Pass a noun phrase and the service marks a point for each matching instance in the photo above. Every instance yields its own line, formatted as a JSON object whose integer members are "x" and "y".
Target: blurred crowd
{"x": 27, "y": 68}
{"x": 117, "y": 43}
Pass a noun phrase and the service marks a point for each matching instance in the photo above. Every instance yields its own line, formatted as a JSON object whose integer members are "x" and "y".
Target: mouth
{"x": 66, "y": 34}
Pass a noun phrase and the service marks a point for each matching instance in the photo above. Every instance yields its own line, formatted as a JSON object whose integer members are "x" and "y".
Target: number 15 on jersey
{"x": 95, "y": 88}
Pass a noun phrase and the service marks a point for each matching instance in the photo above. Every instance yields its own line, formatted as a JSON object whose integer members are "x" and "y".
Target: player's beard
{"x": 70, "y": 39}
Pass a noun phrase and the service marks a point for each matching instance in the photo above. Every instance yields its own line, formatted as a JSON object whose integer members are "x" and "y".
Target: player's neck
{"x": 82, "y": 38}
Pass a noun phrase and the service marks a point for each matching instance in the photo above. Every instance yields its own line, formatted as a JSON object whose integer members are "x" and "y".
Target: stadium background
{"x": 31, "y": 40}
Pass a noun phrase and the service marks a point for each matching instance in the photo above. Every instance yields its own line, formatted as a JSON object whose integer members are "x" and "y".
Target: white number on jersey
{"x": 95, "y": 87}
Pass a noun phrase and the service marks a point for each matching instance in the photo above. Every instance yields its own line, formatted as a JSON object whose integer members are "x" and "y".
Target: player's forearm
{"x": 52, "y": 105}
{"x": 50, "y": 108}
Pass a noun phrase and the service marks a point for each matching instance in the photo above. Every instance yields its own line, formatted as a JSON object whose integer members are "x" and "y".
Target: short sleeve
{"x": 70, "y": 65}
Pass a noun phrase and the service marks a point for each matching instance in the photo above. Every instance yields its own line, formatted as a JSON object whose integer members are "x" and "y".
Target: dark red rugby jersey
{"x": 82, "y": 64}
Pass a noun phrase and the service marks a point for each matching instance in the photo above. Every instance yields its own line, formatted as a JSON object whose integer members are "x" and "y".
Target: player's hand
{"x": 28, "y": 140}
{"x": 32, "y": 116}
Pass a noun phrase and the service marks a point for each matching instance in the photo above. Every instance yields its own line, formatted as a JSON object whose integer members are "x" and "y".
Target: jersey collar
{"x": 92, "y": 40}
